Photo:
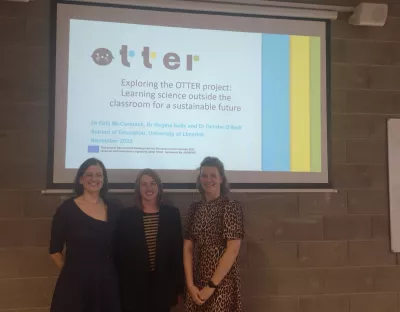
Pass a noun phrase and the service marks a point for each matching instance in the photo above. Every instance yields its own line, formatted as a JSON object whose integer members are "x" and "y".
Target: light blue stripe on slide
{"x": 275, "y": 97}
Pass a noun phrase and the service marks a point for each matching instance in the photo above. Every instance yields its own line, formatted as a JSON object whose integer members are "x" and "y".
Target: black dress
{"x": 143, "y": 290}
{"x": 88, "y": 280}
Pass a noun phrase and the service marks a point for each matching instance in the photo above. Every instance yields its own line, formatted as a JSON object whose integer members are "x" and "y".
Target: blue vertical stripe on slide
{"x": 275, "y": 123}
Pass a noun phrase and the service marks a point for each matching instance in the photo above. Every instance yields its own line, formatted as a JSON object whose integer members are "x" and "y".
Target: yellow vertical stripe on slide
{"x": 300, "y": 143}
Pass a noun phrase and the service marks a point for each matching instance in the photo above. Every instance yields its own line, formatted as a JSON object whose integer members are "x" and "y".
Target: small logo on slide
{"x": 102, "y": 56}
{"x": 170, "y": 60}
{"x": 93, "y": 149}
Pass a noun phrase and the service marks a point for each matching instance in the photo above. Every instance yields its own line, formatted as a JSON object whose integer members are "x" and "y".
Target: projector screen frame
{"x": 183, "y": 186}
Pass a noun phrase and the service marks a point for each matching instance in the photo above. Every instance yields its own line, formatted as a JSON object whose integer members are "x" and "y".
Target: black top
{"x": 139, "y": 287}
{"x": 88, "y": 280}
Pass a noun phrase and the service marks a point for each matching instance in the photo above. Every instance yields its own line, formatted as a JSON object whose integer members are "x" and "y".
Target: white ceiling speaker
{"x": 369, "y": 14}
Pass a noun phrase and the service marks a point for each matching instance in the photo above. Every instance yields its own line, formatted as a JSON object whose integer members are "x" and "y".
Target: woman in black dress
{"x": 148, "y": 250}
{"x": 85, "y": 224}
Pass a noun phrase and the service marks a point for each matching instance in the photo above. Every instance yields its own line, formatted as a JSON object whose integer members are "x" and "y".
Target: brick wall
{"x": 303, "y": 252}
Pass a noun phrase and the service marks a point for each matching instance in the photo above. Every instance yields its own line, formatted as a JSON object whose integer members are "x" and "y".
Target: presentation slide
{"x": 139, "y": 95}
{"x": 165, "y": 99}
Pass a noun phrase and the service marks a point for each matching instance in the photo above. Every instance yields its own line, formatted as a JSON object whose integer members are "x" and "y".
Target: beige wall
{"x": 303, "y": 252}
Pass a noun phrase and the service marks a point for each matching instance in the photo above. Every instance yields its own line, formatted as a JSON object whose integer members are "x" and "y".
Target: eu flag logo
{"x": 93, "y": 149}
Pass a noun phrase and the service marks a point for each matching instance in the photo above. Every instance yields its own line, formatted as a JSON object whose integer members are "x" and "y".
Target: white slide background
{"x": 222, "y": 55}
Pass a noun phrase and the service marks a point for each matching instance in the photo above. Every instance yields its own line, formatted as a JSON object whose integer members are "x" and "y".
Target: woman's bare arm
{"x": 58, "y": 259}
{"x": 188, "y": 265}
{"x": 188, "y": 261}
{"x": 227, "y": 260}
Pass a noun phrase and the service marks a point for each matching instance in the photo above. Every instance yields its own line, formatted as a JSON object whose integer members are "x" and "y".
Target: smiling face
{"x": 92, "y": 179}
{"x": 148, "y": 188}
{"x": 210, "y": 180}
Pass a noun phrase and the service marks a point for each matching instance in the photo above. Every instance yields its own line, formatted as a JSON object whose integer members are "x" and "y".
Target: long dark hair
{"x": 214, "y": 162}
{"x": 78, "y": 187}
{"x": 154, "y": 175}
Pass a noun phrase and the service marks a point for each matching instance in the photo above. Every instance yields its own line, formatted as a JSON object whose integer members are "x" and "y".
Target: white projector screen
{"x": 138, "y": 88}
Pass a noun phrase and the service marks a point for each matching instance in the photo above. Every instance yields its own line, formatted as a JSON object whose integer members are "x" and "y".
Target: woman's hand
{"x": 206, "y": 293}
{"x": 195, "y": 294}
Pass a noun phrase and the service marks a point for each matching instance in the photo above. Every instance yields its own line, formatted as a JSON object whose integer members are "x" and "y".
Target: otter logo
{"x": 102, "y": 56}
{"x": 170, "y": 60}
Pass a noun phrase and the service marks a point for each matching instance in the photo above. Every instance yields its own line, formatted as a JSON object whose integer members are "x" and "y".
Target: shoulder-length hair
{"x": 154, "y": 175}
{"x": 78, "y": 187}
{"x": 214, "y": 162}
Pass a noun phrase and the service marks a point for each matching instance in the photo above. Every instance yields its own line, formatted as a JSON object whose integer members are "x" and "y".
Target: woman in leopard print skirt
{"x": 214, "y": 230}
